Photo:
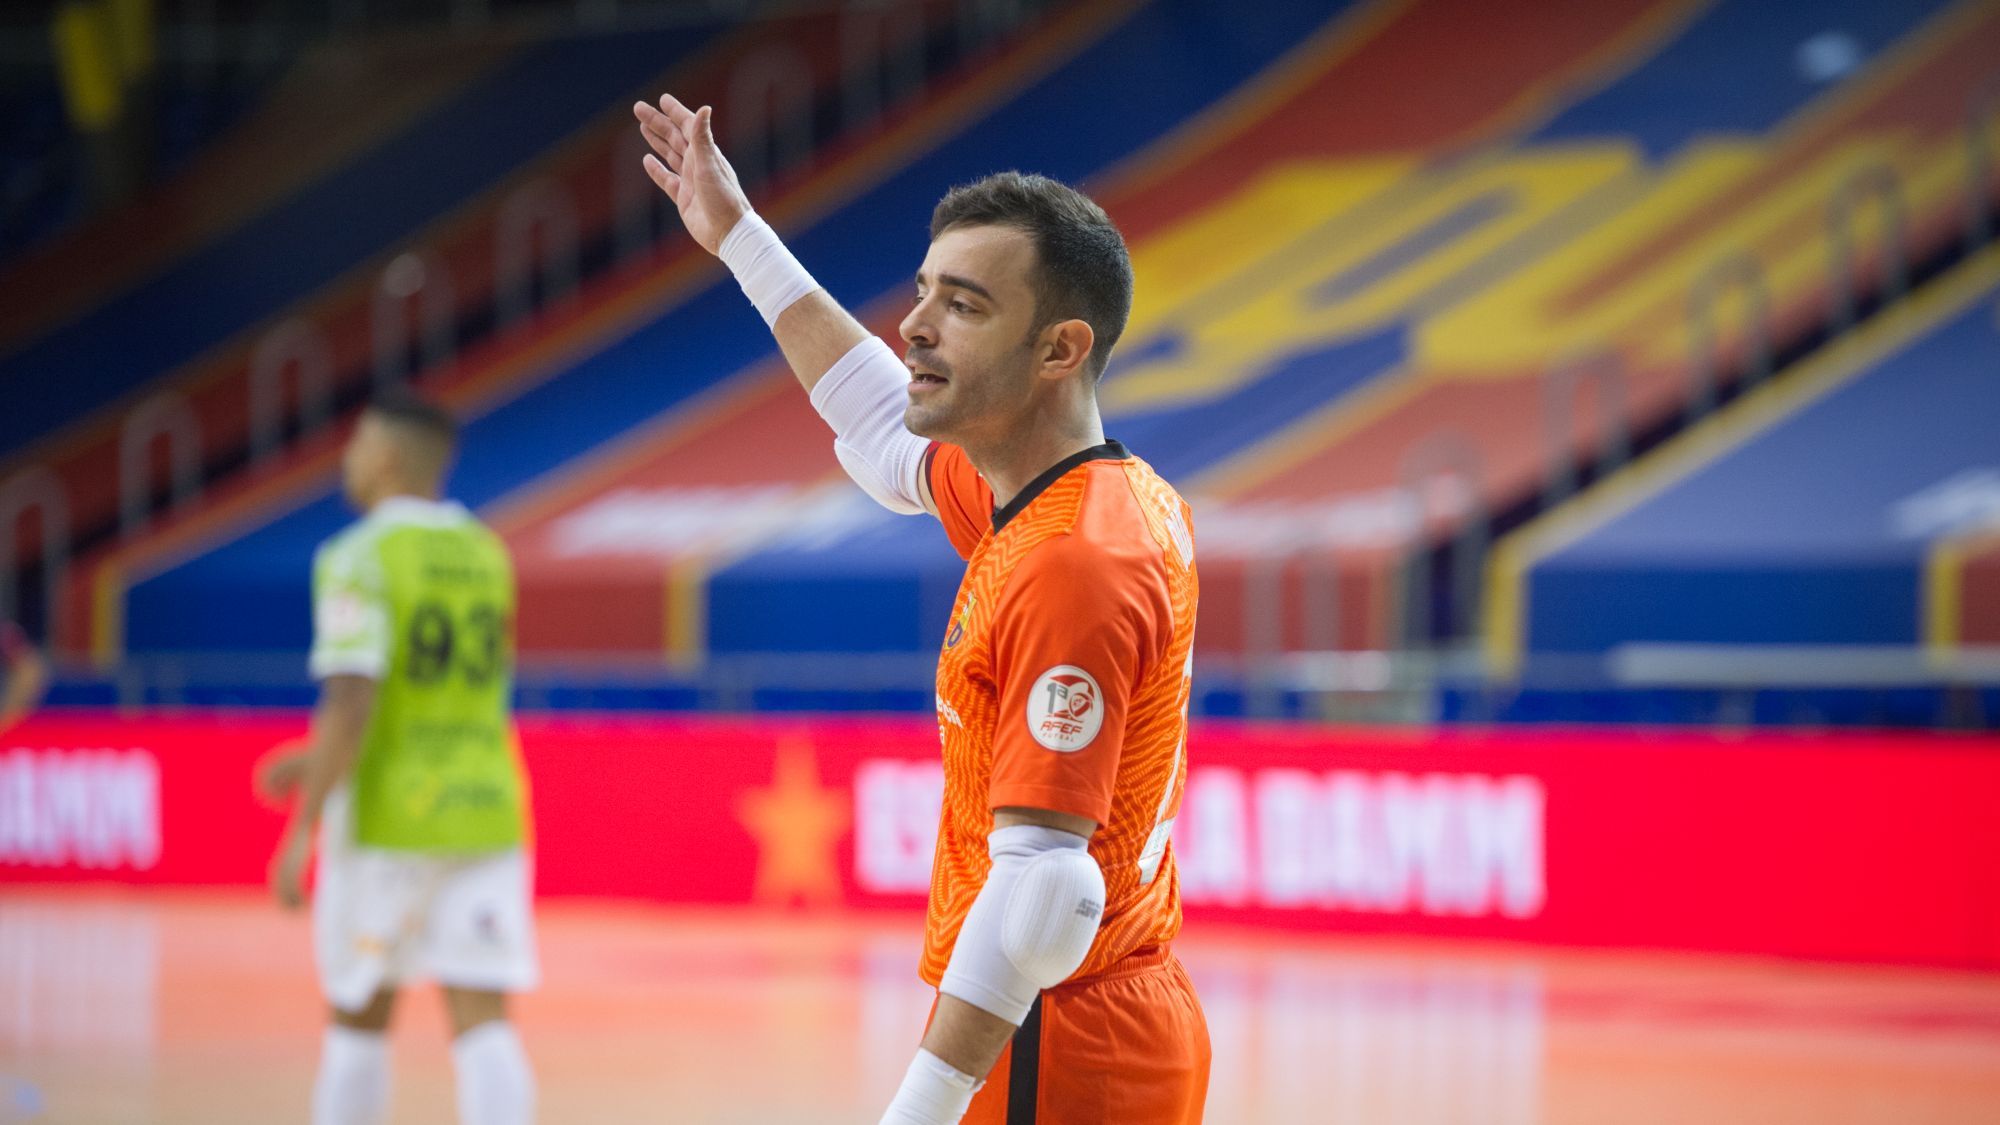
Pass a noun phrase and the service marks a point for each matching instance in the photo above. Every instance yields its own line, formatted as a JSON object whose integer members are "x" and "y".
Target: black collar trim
{"x": 1109, "y": 451}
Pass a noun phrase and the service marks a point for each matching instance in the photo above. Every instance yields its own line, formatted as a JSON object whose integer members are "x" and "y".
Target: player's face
{"x": 971, "y": 336}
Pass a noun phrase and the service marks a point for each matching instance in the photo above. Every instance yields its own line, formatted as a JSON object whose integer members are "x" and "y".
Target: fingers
{"x": 285, "y": 888}
{"x": 652, "y": 122}
{"x": 661, "y": 135}
{"x": 658, "y": 126}
{"x": 275, "y": 779}
{"x": 661, "y": 177}
{"x": 702, "y": 132}
{"x": 667, "y": 148}
{"x": 675, "y": 112}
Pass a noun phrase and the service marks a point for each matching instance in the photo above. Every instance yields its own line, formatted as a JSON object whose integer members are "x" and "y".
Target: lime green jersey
{"x": 419, "y": 597}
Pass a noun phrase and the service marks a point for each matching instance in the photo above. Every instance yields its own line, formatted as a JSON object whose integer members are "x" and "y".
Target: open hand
{"x": 281, "y": 771}
{"x": 688, "y": 165}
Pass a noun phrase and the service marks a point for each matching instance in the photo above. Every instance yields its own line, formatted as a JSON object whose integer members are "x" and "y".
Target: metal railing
{"x": 419, "y": 278}
{"x": 167, "y": 415}
{"x": 1738, "y": 272}
{"x": 35, "y": 489}
{"x": 642, "y": 214}
{"x": 1604, "y": 368}
{"x": 881, "y": 59}
{"x": 1313, "y": 569}
{"x": 299, "y": 349}
{"x": 1720, "y": 684}
{"x": 535, "y": 241}
{"x": 1877, "y": 182}
{"x": 1982, "y": 114}
{"x": 770, "y": 112}
{"x": 1448, "y": 457}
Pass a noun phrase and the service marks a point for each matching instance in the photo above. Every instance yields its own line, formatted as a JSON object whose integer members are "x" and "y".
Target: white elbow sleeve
{"x": 862, "y": 396}
{"x": 1031, "y": 925}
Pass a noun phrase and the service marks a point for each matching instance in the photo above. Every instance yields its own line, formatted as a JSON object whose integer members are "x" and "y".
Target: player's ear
{"x": 1066, "y": 348}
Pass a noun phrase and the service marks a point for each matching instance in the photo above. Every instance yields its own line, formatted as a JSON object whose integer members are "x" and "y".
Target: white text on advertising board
{"x": 1465, "y": 845}
{"x": 96, "y": 809}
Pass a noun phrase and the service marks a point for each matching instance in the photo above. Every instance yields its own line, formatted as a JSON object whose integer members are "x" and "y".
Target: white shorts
{"x": 383, "y": 917}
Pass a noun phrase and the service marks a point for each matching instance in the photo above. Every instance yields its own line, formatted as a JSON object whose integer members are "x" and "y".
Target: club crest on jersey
{"x": 1065, "y": 709}
{"x": 958, "y": 621}
{"x": 343, "y": 617}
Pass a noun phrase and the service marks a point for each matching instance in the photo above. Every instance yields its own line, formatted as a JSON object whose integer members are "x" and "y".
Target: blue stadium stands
{"x": 473, "y": 140}
{"x": 1334, "y": 281}
{"x": 1798, "y": 518}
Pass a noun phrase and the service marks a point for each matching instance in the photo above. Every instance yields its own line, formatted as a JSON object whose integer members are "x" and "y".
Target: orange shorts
{"x": 1128, "y": 1046}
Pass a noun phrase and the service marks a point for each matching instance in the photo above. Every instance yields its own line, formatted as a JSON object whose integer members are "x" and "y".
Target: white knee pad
{"x": 1032, "y": 924}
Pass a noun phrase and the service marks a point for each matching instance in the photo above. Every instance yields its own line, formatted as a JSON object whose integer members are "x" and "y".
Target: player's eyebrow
{"x": 957, "y": 282}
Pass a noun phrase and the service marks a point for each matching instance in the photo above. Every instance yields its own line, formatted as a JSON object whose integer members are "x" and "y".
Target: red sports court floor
{"x": 182, "y": 1007}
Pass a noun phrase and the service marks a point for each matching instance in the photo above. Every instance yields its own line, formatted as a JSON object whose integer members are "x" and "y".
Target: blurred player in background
{"x": 24, "y": 676}
{"x": 1064, "y": 677}
{"x": 412, "y": 778}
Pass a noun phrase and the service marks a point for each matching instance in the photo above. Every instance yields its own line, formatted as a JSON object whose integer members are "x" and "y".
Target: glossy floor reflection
{"x": 184, "y": 1007}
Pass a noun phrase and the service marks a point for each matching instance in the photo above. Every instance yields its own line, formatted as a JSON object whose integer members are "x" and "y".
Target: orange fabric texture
{"x": 1127, "y": 1048}
{"x": 1063, "y": 685}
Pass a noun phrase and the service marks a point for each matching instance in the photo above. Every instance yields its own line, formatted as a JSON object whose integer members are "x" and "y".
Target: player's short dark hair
{"x": 1084, "y": 271}
{"x": 408, "y": 408}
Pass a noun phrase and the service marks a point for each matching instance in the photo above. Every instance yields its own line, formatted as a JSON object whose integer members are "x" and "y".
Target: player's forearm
{"x": 814, "y": 333}
{"x": 810, "y": 326}
{"x": 340, "y": 723}
{"x": 1029, "y": 929}
{"x": 856, "y": 383}
{"x": 965, "y": 1036}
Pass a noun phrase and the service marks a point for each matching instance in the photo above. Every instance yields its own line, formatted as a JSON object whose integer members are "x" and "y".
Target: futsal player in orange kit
{"x": 1063, "y": 681}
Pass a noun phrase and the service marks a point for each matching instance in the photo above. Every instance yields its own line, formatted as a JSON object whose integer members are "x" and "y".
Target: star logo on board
{"x": 796, "y": 821}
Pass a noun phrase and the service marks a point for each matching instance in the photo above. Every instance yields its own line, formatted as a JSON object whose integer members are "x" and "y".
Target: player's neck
{"x": 1032, "y": 448}
{"x": 405, "y": 492}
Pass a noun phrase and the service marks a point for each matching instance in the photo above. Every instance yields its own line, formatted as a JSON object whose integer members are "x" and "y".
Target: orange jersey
{"x": 1063, "y": 683}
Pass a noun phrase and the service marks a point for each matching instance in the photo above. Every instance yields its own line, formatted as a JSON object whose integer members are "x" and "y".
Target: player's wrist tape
{"x": 862, "y": 396}
{"x": 768, "y": 273}
{"x": 933, "y": 1093}
{"x": 1031, "y": 924}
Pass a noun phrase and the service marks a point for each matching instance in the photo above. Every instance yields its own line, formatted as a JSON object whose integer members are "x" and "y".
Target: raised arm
{"x": 857, "y": 384}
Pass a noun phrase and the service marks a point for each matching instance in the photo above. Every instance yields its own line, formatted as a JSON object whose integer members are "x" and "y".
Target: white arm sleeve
{"x": 862, "y": 397}
{"x": 1032, "y": 923}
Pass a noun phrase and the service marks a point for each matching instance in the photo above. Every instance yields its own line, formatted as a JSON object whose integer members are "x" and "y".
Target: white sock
{"x": 353, "y": 1083}
{"x": 495, "y": 1086}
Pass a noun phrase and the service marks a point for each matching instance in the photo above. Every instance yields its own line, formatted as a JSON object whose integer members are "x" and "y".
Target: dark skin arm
{"x": 339, "y": 722}
{"x": 27, "y": 675}
{"x": 26, "y": 680}
{"x": 967, "y": 1038}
